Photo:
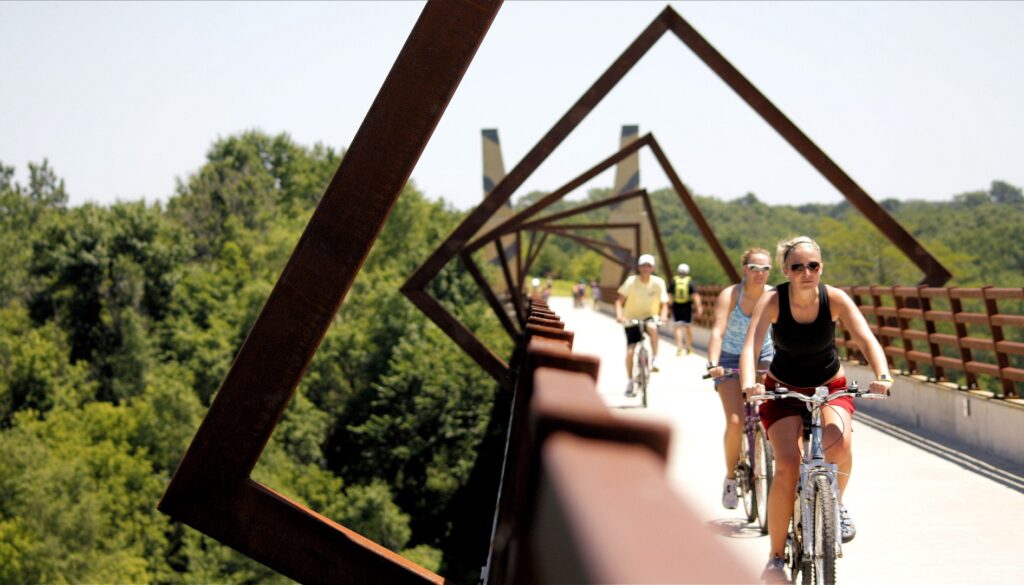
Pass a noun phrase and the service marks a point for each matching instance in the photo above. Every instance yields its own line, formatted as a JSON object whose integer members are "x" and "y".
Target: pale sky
{"x": 913, "y": 100}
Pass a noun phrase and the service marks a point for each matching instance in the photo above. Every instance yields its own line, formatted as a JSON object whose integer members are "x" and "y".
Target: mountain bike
{"x": 756, "y": 464}
{"x": 814, "y": 541}
{"x": 642, "y": 359}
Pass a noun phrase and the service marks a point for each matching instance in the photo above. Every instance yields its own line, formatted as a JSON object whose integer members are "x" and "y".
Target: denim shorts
{"x": 732, "y": 360}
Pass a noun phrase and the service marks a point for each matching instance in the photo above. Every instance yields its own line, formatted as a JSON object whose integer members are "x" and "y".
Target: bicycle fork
{"x": 815, "y": 467}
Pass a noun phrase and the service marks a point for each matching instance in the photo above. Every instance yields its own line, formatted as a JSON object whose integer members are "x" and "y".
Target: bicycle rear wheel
{"x": 745, "y": 479}
{"x": 764, "y": 471}
{"x": 825, "y": 525}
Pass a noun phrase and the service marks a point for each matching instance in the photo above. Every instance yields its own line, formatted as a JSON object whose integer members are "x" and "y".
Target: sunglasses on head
{"x": 812, "y": 266}
{"x": 759, "y": 267}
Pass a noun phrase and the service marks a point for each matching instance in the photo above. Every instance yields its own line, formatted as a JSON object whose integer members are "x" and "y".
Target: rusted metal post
{"x": 211, "y": 489}
{"x": 490, "y": 296}
{"x": 517, "y": 300}
{"x": 1002, "y": 361}
{"x": 901, "y": 323}
{"x": 956, "y": 307}
{"x": 929, "y": 328}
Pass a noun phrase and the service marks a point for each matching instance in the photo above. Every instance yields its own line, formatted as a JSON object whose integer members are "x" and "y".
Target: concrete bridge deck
{"x": 920, "y": 518}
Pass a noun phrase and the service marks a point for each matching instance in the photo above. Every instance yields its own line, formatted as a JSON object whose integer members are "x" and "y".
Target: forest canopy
{"x": 118, "y": 322}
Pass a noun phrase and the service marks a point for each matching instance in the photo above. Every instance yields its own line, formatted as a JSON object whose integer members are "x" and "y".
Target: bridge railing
{"x": 973, "y": 337}
{"x": 584, "y": 496}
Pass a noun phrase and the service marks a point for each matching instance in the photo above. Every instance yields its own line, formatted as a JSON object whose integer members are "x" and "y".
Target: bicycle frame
{"x": 642, "y": 357}
{"x": 812, "y": 467}
{"x": 748, "y": 471}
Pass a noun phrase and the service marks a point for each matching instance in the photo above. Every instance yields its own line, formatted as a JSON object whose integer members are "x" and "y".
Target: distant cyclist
{"x": 732, "y": 318}
{"x": 684, "y": 298}
{"x": 802, "y": 314}
{"x": 641, "y": 296}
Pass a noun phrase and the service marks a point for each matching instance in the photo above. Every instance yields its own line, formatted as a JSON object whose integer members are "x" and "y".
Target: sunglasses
{"x": 812, "y": 266}
{"x": 759, "y": 267}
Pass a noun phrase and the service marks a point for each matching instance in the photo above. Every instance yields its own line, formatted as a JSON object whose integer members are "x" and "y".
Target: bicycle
{"x": 814, "y": 541}
{"x": 756, "y": 464}
{"x": 641, "y": 358}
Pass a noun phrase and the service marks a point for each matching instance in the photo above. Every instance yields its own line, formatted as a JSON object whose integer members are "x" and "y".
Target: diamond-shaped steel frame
{"x": 472, "y": 345}
{"x": 212, "y": 490}
{"x": 668, "y": 20}
{"x": 545, "y": 225}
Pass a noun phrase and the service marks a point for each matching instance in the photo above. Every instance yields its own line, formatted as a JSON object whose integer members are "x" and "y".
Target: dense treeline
{"x": 978, "y": 236}
{"x": 117, "y": 324}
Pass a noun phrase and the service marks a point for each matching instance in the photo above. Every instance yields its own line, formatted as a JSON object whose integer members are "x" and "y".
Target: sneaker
{"x": 689, "y": 351}
{"x": 629, "y": 389}
{"x": 729, "y": 499}
{"x": 679, "y": 352}
{"x": 846, "y": 525}
{"x": 775, "y": 571}
{"x": 654, "y": 365}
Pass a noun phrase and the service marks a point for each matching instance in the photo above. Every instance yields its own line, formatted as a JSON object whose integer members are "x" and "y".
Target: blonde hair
{"x": 787, "y": 246}
{"x": 750, "y": 252}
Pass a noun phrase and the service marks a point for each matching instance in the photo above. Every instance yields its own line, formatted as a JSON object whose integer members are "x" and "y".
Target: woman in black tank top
{"x": 805, "y": 353}
{"x": 802, "y": 314}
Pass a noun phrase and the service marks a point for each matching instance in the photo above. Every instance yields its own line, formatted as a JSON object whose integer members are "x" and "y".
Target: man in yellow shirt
{"x": 643, "y": 295}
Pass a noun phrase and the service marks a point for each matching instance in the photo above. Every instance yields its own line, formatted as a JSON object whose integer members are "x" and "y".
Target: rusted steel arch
{"x": 465, "y": 338}
{"x": 589, "y": 243}
{"x": 492, "y": 298}
{"x": 586, "y": 243}
{"x": 593, "y": 244}
{"x": 667, "y": 20}
{"x": 211, "y": 490}
{"x": 517, "y": 220}
{"x": 611, "y": 201}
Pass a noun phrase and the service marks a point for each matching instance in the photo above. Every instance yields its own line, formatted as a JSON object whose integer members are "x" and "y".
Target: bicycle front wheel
{"x": 645, "y": 377}
{"x": 825, "y": 525}
{"x": 764, "y": 471}
{"x": 745, "y": 479}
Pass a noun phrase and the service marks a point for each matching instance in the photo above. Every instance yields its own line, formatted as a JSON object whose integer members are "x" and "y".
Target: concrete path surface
{"x": 920, "y": 518}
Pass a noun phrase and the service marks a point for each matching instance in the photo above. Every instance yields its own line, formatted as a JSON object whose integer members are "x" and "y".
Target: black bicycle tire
{"x": 646, "y": 374}
{"x": 798, "y": 566}
{"x": 763, "y": 474}
{"x": 825, "y": 524}
{"x": 745, "y": 479}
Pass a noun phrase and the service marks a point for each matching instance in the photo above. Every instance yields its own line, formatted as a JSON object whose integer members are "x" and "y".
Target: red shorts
{"x": 775, "y": 410}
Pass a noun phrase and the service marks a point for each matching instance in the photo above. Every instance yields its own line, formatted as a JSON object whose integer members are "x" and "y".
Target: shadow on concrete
{"x": 734, "y": 528}
{"x": 999, "y": 470}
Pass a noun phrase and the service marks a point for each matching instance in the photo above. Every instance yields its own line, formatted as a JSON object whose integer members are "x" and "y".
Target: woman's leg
{"x": 837, "y": 438}
{"x": 785, "y": 437}
{"x": 732, "y": 405}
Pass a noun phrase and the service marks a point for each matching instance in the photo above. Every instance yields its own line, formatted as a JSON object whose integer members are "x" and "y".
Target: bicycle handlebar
{"x": 851, "y": 390}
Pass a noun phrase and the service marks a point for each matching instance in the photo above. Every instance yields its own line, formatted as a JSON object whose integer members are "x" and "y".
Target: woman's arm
{"x": 853, "y": 321}
{"x": 765, "y": 312}
{"x": 723, "y": 307}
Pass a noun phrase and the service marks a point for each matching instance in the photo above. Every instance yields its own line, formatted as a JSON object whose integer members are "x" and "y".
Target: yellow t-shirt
{"x": 643, "y": 300}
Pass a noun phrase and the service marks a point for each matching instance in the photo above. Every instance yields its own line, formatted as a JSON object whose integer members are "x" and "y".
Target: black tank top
{"x": 805, "y": 353}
